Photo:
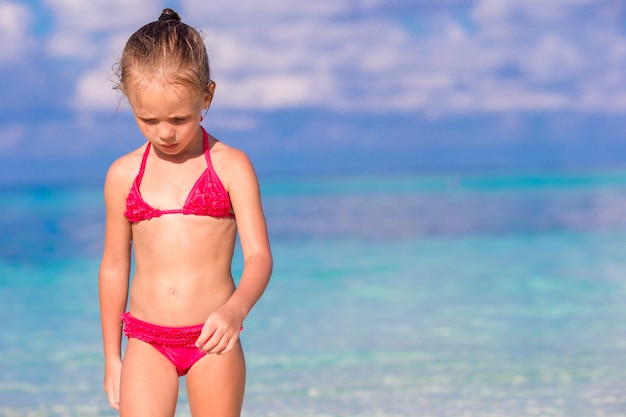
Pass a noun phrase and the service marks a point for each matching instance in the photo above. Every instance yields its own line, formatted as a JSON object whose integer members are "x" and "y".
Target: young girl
{"x": 179, "y": 202}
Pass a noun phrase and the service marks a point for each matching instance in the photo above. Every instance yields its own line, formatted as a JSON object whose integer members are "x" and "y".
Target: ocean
{"x": 443, "y": 295}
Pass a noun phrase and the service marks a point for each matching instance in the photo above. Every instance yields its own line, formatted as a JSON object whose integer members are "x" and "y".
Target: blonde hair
{"x": 166, "y": 49}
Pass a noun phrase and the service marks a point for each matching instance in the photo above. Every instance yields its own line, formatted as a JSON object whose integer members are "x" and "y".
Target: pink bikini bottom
{"x": 175, "y": 343}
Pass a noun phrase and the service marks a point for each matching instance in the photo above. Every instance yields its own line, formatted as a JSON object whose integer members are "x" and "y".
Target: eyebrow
{"x": 172, "y": 117}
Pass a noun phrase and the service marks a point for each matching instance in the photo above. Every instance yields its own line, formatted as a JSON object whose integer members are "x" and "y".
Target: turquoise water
{"x": 448, "y": 295}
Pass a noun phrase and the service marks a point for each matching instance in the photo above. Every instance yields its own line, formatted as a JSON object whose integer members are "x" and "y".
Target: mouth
{"x": 170, "y": 147}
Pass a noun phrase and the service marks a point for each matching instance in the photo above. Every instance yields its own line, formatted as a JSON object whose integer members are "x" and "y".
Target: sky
{"x": 330, "y": 86}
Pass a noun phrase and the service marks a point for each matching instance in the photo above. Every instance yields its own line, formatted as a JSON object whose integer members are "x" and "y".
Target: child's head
{"x": 167, "y": 51}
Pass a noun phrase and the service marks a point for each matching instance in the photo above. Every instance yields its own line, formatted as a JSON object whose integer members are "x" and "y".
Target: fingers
{"x": 205, "y": 337}
{"x": 218, "y": 343}
{"x": 114, "y": 404}
{"x": 113, "y": 394}
{"x": 215, "y": 344}
{"x": 220, "y": 332}
{"x": 231, "y": 344}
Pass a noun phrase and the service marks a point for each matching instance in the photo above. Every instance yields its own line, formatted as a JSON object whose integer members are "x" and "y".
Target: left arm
{"x": 221, "y": 330}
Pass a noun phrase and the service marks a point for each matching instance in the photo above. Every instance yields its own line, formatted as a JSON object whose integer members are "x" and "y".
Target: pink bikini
{"x": 175, "y": 343}
{"x": 208, "y": 197}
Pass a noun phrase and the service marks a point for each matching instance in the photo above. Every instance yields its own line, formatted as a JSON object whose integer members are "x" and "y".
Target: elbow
{"x": 262, "y": 262}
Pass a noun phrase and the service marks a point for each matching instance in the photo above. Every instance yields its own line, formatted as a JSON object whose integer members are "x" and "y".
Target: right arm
{"x": 114, "y": 277}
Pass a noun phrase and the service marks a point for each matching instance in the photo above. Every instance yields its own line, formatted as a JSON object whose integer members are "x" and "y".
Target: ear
{"x": 208, "y": 96}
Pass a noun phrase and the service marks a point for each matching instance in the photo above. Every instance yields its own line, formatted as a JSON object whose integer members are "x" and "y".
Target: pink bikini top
{"x": 208, "y": 197}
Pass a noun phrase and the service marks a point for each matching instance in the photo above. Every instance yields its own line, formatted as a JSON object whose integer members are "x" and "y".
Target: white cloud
{"x": 253, "y": 12}
{"x": 80, "y": 25}
{"x": 94, "y": 90}
{"x": 270, "y": 91}
{"x": 349, "y": 55}
{"x": 15, "y": 21}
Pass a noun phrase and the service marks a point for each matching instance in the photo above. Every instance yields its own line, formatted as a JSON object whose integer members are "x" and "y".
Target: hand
{"x": 112, "y": 374}
{"x": 220, "y": 332}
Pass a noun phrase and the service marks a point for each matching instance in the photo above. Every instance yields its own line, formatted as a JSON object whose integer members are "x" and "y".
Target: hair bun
{"x": 169, "y": 14}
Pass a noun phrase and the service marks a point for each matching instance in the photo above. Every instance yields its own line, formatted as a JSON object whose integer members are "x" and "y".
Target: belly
{"x": 182, "y": 269}
{"x": 178, "y": 301}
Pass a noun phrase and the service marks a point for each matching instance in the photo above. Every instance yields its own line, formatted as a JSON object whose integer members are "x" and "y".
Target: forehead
{"x": 157, "y": 94}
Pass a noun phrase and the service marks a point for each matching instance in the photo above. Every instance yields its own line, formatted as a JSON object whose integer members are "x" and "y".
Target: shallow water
{"x": 392, "y": 296}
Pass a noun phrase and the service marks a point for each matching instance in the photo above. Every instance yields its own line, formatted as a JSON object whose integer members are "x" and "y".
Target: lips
{"x": 170, "y": 147}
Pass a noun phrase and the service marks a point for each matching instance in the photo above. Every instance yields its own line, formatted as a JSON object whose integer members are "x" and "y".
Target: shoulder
{"x": 229, "y": 154}
{"x": 237, "y": 174}
{"x": 127, "y": 165}
{"x": 123, "y": 171}
{"x": 231, "y": 164}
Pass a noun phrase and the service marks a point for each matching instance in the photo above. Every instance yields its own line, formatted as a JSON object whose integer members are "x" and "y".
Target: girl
{"x": 178, "y": 202}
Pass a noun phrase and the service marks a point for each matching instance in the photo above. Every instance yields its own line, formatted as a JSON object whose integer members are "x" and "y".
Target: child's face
{"x": 168, "y": 116}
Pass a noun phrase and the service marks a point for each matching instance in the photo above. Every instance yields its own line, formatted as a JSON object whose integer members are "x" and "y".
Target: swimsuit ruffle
{"x": 165, "y": 336}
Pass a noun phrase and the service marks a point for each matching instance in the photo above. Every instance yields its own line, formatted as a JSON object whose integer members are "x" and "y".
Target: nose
{"x": 165, "y": 132}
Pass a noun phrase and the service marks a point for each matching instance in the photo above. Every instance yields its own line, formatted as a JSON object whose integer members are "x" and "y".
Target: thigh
{"x": 215, "y": 384}
{"x": 149, "y": 383}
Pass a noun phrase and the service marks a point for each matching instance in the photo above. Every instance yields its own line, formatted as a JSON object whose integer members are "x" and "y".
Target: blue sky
{"x": 330, "y": 86}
